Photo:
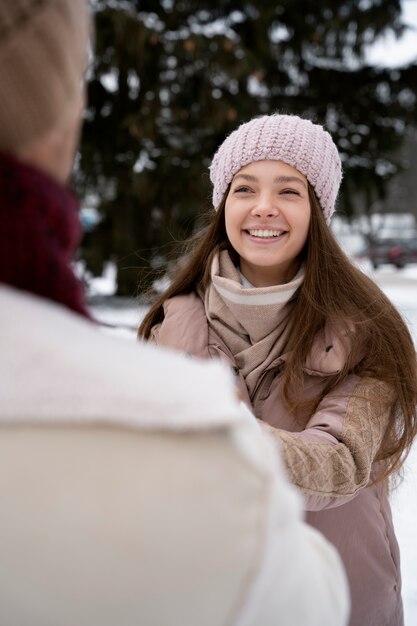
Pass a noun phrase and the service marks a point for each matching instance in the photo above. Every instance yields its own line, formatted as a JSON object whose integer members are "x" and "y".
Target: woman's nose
{"x": 266, "y": 206}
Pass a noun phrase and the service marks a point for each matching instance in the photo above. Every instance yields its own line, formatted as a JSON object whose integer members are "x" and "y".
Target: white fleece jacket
{"x": 131, "y": 494}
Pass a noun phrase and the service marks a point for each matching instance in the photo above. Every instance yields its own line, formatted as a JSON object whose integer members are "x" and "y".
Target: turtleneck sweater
{"x": 39, "y": 234}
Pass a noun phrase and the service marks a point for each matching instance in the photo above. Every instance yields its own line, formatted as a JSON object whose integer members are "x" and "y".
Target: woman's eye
{"x": 290, "y": 192}
{"x": 242, "y": 190}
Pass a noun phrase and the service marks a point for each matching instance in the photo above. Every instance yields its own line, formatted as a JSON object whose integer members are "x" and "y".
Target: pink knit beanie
{"x": 288, "y": 138}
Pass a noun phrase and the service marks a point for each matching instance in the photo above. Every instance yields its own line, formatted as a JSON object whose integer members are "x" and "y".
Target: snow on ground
{"x": 401, "y": 287}
{"x": 118, "y": 316}
{"x": 122, "y": 318}
{"x": 404, "y": 509}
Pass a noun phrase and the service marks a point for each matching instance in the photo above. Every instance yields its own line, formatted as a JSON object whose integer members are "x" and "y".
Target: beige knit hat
{"x": 43, "y": 56}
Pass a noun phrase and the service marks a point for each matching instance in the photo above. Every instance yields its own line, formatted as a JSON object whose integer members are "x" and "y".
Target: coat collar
{"x": 69, "y": 371}
{"x": 186, "y": 328}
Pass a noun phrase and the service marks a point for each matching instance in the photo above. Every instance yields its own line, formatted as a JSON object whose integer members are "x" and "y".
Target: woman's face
{"x": 267, "y": 214}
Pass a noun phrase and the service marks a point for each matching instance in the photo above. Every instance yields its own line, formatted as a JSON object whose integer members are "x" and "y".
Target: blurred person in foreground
{"x": 131, "y": 494}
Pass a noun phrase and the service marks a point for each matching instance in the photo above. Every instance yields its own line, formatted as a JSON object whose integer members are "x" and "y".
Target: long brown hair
{"x": 333, "y": 291}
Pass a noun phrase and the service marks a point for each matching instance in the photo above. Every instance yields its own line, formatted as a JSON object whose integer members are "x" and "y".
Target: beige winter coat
{"x": 329, "y": 456}
{"x": 131, "y": 495}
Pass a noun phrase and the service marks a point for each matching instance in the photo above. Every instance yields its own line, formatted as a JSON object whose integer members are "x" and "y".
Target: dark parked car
{"x": 398, "y": 252}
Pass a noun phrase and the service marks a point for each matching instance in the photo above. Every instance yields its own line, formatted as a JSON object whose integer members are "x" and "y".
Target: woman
{"x": 321, "y": 356}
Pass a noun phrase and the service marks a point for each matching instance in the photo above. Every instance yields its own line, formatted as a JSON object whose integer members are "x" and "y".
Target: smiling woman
{"x": 267, "y": 216}
{"x": 321, "y": 357}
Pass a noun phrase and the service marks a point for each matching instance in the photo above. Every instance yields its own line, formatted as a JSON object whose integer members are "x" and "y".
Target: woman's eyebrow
{"x": 246, "y": 177}
{"x": 278, "y": 180}
{"x": 289, "y": 179}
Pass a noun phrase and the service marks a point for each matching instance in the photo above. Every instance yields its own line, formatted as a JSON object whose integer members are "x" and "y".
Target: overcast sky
{"x": 391, "y": 52}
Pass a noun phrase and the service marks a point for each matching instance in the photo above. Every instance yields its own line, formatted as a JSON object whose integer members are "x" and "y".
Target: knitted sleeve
{"x": 331, "y": 460}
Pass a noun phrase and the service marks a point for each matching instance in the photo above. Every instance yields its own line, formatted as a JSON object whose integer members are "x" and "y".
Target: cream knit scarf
{"x": 253, "y": 322}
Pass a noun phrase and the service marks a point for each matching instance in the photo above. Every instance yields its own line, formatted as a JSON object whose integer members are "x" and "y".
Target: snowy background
{"x": 123, "y": 317}
{"x": 401, "y": 287}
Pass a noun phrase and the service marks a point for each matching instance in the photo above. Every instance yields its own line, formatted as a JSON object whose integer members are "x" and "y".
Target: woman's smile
{"x": 265, "y": 235}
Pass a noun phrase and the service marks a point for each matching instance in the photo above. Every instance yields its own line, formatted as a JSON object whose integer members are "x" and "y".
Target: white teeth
{"x": 265, "y": 233}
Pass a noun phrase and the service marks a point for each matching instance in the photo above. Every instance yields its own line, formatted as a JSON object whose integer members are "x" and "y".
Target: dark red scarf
{"x": 39, "y": 233}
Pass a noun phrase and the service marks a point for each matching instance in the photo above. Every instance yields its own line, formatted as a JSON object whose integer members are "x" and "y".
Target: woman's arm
{"x": 331, "y": 459}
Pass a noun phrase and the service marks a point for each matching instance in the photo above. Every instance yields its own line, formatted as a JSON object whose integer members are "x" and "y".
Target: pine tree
{"x": 170, "y": 79}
